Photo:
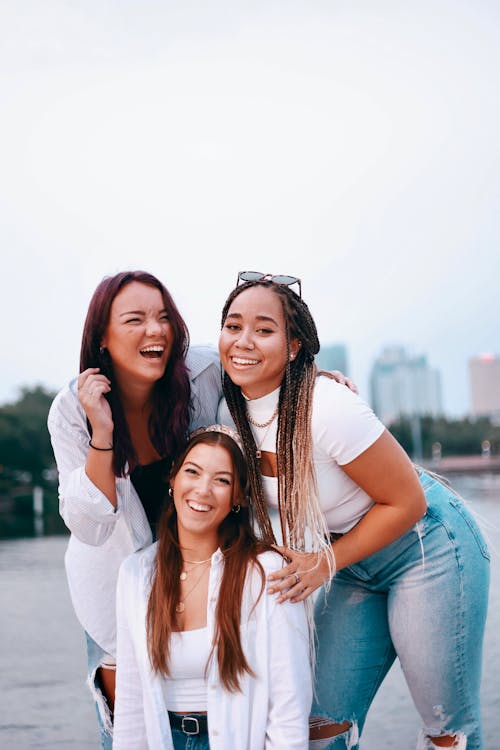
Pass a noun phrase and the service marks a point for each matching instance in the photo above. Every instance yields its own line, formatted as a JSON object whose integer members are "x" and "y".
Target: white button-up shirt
{"x": 272, "y": 709}
{"x": 102, "y": 537}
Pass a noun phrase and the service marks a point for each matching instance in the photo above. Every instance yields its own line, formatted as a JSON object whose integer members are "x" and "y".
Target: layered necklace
{"x": 180, "y": 606}
{"x": 266, "y": 425}
{"x": 186, "y": 571}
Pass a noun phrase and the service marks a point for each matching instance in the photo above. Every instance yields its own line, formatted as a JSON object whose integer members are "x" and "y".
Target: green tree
{"x": 458, "y": 437}
{"x": 24, "y": 440}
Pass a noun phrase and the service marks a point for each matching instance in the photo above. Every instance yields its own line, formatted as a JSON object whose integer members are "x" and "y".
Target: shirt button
{"x": 213, "y": 686}
{"x": 215, "y": 732}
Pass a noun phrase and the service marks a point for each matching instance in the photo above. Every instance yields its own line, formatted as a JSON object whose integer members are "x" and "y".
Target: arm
{"x": 99, "y": 464}
{"x": 290, "y": 679}
{"x": 85, "y": 509}
{"x": 348, "y": 433}
{"x": 387, "y": 475}
{"x": 129, "y": 732}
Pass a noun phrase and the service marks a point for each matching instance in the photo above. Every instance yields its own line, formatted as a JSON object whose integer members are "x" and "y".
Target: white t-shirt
{"x": 343, "y": 426}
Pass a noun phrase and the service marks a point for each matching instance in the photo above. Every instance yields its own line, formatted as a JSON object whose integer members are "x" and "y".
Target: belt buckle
{"x": 192, "y": 719}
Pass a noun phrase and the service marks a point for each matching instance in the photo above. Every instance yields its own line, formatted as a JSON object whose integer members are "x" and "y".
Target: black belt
{"x": 189, "y": 724}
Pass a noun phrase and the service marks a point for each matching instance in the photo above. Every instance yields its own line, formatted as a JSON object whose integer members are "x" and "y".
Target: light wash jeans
{"x": 423, "y": 599}
{"x": 95, "y": 655}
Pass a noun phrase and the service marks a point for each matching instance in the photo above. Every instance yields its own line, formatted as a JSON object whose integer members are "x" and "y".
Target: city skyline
{"x": 404, "y": 386}
{"x": 484, "y": 376}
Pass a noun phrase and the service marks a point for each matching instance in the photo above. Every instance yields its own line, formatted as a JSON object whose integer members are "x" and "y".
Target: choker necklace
{"x": 267, "y": 422}
{"x": 185, "y": 572}
{"x": 180, "y": 606}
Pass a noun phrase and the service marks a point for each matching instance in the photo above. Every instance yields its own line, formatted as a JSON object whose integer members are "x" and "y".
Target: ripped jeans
{"x": 95, "y": 656}
{"x": 422, "y": 599}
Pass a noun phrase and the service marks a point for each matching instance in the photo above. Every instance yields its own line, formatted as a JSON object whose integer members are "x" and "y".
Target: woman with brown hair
{"x": 412, "y": 566}
{"x": 204, "y": 657}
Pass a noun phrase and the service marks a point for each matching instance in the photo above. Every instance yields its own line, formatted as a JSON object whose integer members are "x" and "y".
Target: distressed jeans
{"x": 422, "y": 599}
{"x": 95, "y": 655}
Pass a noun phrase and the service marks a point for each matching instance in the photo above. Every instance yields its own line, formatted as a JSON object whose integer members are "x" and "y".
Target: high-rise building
{"x": 404, "y": 386}
{"x": 484, "y": 378}
{"x": 333, "y": 357}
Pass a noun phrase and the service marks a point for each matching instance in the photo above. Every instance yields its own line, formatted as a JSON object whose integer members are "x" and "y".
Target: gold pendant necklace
{"x": 180, "y": 606}
{"x": 185, "y": 572}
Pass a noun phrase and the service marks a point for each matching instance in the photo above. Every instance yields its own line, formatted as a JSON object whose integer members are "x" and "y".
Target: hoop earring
{"x": 236, "y": 508}
{"x": 101, "y": 350}
{"x": 170, "y": 492}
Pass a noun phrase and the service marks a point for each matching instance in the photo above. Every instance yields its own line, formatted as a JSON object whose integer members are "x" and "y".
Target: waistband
{"x": 190, "y": 724}
{"x": 428, "y": 478}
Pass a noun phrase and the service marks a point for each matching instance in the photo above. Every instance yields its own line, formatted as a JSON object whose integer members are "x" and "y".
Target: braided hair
{"x": 298, "y": 501}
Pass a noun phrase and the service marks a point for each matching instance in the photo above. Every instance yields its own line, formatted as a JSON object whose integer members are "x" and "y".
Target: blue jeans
{"x": 104, "y": 720}
{"x": 422, "y": 598}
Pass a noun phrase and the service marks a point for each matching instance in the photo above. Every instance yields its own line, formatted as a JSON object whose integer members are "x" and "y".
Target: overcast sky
{"x": 354, "y": 144}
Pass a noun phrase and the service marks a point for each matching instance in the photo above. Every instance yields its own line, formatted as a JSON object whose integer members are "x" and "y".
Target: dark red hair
{"x": 169, "y": 422}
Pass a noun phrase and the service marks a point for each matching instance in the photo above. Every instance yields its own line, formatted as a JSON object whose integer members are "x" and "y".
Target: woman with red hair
{"x": 115, "y": 431}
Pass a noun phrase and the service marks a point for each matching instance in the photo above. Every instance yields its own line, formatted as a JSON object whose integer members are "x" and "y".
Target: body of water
{"x": 45, "y": 704}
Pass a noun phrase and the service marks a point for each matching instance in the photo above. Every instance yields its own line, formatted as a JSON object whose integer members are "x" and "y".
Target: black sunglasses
{"x": 278, "y": 279}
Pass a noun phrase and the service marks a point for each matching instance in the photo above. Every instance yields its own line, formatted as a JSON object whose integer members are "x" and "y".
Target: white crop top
{"x": 343, "y": 426}
{"x": 185, "y": 689}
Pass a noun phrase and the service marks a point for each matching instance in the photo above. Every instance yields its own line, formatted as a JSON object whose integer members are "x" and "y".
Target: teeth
{"x": 153, "y": 348}
{"x": 199, "y": 506}
{"x": 241, "y": 361}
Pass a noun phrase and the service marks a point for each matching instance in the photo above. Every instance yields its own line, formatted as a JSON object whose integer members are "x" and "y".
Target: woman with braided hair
{"x": 404, "y": 566}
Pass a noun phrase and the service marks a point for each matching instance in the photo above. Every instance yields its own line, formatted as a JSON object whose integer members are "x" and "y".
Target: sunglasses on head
{"x": 277, "y": 279}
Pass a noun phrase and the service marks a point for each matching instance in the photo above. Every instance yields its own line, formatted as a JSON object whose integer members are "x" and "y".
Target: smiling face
{"x": 252, "y": 344}
{"x": 139, "y": 335}
{"x": 203, "y": 491}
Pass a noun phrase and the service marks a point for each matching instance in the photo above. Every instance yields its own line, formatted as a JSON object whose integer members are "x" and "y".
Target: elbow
{"x": 86, "y": 531}
{"x": 94, "y": 537}
{"x": 418, "y": 506}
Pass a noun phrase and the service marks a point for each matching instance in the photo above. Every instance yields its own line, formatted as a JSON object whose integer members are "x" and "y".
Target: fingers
{"x": 300, "y": 578}
{"x": 339, "y": 377}
{"x": 83, "y": 376}
{"x": 351, "y": 385}
{"x": 92, "y": 385}
{"x": 297, "y": 592}
{"x": 290, "y": 585}
{"x": 344, "y": 380}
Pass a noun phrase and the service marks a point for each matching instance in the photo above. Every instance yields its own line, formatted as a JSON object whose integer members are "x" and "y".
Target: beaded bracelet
{"x": 99, "y": 449}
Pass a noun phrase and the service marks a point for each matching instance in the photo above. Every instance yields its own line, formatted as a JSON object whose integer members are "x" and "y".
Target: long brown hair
{"x": 239, "y": 547}
{"x": 169, "y": 420}
{"x": 297, "y": 489}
